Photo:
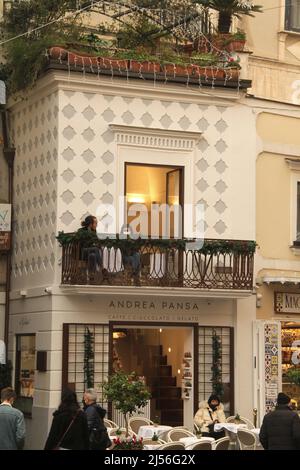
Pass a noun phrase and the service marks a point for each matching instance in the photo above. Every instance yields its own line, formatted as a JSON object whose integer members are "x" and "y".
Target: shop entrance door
{"x": 164, "y": 355}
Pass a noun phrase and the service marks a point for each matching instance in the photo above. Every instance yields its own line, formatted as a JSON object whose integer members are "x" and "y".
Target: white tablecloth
{"x": 151, "y": 446}
{"x": 147, "y": 432}
{"x": 232, "y": 427}
{"x": 187, "y": 441}
{"x": 256, "y": 431}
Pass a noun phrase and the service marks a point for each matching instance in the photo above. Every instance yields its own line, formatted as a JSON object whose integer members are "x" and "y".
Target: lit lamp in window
{"x": 117, "y": 334}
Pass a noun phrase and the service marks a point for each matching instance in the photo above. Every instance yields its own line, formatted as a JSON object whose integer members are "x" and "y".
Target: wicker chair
{"x": 110, "y": 424}
{"x": 243, "y": 420}
{"x": 223, "y": 443}
{"x": 200, "y": 445}
{"x": 246, "y": 439}
{"x": 171, "y": 446}
{"x": 175, "y": 434}
{"x": 136, "y": 422}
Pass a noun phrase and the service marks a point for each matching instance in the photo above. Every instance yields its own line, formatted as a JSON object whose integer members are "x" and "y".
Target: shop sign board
{"x": 287, "y": 302}
{"x": 5, "y": 227}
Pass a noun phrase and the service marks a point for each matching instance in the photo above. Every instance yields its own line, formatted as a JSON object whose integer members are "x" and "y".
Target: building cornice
{"x": 154, "y": 292}
{"x": 54, "y": 80}
{"x": 155, "y": 137}
{"x": 293, "y": 163}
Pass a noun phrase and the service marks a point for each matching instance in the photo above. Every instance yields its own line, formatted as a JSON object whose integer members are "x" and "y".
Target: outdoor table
{"x": 232, "y": 430}
{"x": 147, "y": 432}
{"x": 188, "y": 441}
{"x": 151, "y": 446}
{"x": 231, "y": 427}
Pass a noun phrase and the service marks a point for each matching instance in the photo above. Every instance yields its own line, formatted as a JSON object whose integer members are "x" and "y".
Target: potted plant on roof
{"x": 128, "y": 393}
{"x": 237, "y": 41}
{"x": 228, "y": 9}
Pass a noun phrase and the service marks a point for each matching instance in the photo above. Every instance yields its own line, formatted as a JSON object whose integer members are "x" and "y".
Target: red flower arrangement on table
{"x": 128, "y": 443}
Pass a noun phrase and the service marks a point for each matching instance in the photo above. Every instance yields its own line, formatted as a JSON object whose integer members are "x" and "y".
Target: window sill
{"x": 295, "y": 248}
{"x": 290, "y": 32}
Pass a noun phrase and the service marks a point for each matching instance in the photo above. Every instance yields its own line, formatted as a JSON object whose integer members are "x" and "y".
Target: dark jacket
{"x": 95, "y": 414}
{"x": 99, "y": 439}
{"x": 280, "y": 430}
{"x": 77, "y": 438}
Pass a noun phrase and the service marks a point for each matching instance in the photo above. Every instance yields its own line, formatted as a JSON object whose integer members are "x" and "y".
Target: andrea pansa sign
{"x": 5, "y": 226}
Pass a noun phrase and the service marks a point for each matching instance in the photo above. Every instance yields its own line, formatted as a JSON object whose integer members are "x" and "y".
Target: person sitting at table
{"x": 210, "y": 412}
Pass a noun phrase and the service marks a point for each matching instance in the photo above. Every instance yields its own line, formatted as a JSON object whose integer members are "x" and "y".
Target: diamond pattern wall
{"x": 92, "y": 179}
{"x": 66, "y": 148}
{"x": 33, "y": 129}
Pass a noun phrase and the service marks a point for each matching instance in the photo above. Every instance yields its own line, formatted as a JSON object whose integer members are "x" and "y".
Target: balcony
{"x": 219, "y": 264}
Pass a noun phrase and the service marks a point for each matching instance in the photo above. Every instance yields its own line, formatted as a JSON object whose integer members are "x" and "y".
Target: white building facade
{"x": 77, "y": 137}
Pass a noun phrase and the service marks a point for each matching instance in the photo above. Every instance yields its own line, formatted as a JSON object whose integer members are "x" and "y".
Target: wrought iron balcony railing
{"x": 220, "y": 264}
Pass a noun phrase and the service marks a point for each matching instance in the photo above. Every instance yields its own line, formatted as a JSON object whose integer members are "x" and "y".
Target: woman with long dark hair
{"x": 69, "y": 428}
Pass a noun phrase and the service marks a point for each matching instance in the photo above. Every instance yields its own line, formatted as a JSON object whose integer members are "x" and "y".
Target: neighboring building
{"x": 85, "y": 139}
{"x": 273, "y": 39}
{"x": 277, "y": 261}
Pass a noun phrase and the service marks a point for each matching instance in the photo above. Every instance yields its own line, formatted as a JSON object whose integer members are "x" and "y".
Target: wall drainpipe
{"x": 9, "y": 155}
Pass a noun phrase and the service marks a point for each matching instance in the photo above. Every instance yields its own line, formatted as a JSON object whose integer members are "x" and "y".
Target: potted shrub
{"x": 237, "y": 419}
{"x": 237, "y": 42}
{"x": 128, "y": 393}
{"x": 228, "y": 9}
{"x": 293, "y": 375}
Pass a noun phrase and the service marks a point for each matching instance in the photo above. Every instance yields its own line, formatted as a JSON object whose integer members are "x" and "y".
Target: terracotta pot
{"x": 209, "y": 72}
{"x": 58, "y": 52}
{"x": 144, "y": 66}
{"x": 237, "y": 45}
{"x": 231, "y": 73}
{"x": 111, "y": 63}
{"x": 178, "y": 70}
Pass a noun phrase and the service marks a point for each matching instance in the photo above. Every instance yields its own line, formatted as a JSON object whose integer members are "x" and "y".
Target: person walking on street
{"x": 98, "y": 436}
{"x": 69, "y": 428}
{"x": 280, "y": 429}
{"x": 12, "y": 423}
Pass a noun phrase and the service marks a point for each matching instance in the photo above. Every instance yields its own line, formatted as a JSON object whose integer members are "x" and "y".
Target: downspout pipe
{"x": 9, "y": 155}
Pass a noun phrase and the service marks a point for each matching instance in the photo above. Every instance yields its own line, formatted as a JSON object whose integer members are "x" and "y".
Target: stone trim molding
{"x": 294, "y": 164}
{"x": 155, "y": 138}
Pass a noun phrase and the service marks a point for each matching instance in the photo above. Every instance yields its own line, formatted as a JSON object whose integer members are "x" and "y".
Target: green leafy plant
{"x": 228, "y": 9}
{"x": 205, "y": 59}
{"x": 293, "y": 375}
{"x": 118, "y": 432}
{"x": 127, "y": 392}
{"x": 25, "y": 57}
{"x": 88, "y": 365}
{"x": 155, "y": 437}
{"x": 216, "y": 368}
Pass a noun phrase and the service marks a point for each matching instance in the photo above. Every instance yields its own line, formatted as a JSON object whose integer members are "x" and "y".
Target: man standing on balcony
{"x": 92, "y": 254}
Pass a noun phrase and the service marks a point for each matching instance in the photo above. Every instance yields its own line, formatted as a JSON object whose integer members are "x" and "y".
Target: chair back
{"x": 246, "y": 439}
{"x": 175, "y": 434}
{"x": 231, "y": 419}
{"x": 223, "y": 443}
{"x": 136, "y": 422}
{"x": 200, "y": 445}
{"x": 171, "y": 446}
{"x": 110, "y": 424}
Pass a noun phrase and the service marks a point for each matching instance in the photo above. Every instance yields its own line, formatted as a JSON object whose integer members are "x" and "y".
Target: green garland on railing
{"x": 216, "y": 368}
{"x": 210, "y": 247}
{"x": 88, "y": 366}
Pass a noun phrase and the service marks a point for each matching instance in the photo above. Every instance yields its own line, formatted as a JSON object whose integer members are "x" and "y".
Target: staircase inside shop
{"x": 166, "y": 393}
